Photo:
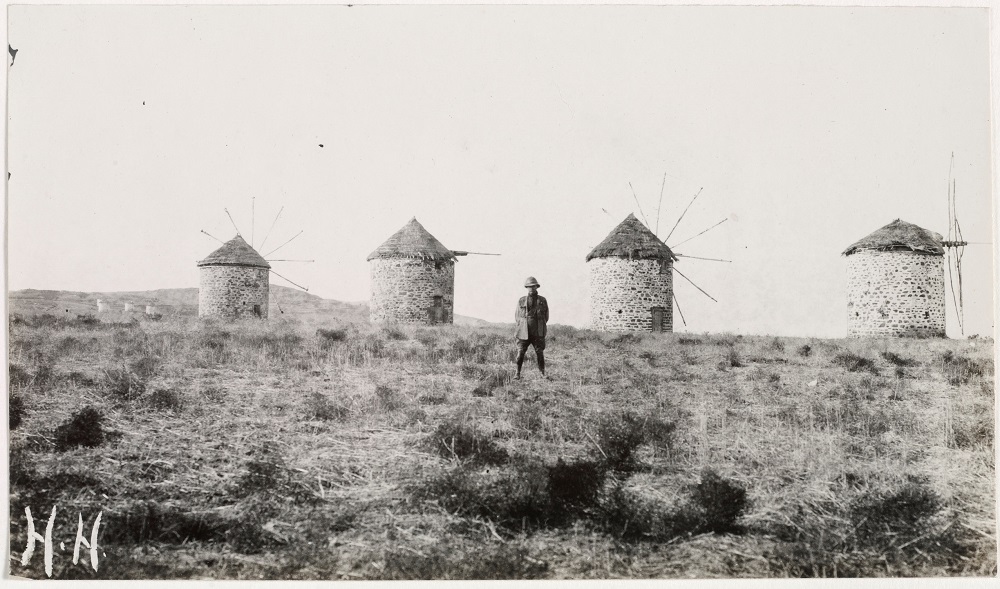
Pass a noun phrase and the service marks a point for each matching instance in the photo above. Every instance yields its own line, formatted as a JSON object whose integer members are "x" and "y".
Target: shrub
{"x": 457, "y": 440}
{"x": 15, "y": 408}
{"x": 732, "y": 358}
{"x": 328, "y": 337}
{"x": 896, "y": 520}
{"x": 624, "y": 340}
{"x": 122, "y": 383}
{"x": 898, "y": 360}
{"x": 777, "y": 345}
{"x": 620, "y": 435}
{"x": 145, "y": 366}
{"x": 86, "y": 321}
{"x": 974, "y": 432}
{"x": 649, "y": 357}
{"x": 854, "y": 363}
{"x": 322, "y": 408}
{"x": 394, "y": 333}
{"x": 265, "y": 471}
{"x": 961, "y": 369}
{"x": 83, "y": 428}
{"x": 714, "y": 505}
{"x": 166, "y": 400}
{"x": 575, "y": 487}
{"x": 522, "y": 494}
{"x": 688, "y": 341}
{"x": 805, "y": 350}
{"x": 142, "y": 522}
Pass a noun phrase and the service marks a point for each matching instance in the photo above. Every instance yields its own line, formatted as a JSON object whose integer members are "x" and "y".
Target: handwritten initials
{"x": 46, "y": 540}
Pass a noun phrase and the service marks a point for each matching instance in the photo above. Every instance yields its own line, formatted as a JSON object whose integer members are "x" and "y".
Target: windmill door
{"x": 436, "y": 312}
{"x": 256, "y": 310}
{"x": 658, "y": 313}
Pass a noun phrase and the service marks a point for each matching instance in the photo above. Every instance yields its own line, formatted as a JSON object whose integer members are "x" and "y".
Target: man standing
{"x": 531, "y": 316}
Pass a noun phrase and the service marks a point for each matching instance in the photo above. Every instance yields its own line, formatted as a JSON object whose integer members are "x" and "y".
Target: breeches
{"x": 533, "y": 340}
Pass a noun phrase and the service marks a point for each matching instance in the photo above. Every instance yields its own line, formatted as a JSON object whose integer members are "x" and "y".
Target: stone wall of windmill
{"x": 233, "y": 291}
{"x": 624, "y": 293}
{"x": 412, "y": 290}
{"x": 895, "y": 293}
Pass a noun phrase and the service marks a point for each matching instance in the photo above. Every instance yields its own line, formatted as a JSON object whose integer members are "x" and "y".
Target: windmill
{"x": 631, "y": 273}
{"x": 235, "y": 278}
{"x": 413, "y": 278}
{"x": 896, "y": 278}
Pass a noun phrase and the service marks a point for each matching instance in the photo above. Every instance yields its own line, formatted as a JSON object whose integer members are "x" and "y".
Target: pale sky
{"x": 505, "y": 130}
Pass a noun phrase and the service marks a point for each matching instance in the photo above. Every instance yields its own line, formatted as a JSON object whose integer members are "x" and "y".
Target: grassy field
{"x": 301, "y": 450}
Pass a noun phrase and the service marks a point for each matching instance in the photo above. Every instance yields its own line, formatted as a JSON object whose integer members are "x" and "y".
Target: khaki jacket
{"x": 521, "y": 317}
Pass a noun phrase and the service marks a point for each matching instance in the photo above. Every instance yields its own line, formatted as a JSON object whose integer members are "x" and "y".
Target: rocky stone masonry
{"x": 403, "y": 289}
{"x": 895, "y": 293}
{"x": 623, "y": 292}
{"x": 232, "y": 291}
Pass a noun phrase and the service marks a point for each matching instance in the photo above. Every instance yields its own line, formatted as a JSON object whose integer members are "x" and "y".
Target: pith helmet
{"x": 531, "y": 282}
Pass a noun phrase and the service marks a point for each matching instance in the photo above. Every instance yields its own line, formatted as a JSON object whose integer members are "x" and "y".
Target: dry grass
{"x": 293, "y": 450}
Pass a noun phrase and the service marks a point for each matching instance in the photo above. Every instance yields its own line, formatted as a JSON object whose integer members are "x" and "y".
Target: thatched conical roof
{"x": 900, "y": 235}
{"x": 631, "y": 239}
{"x": 412, "y": 241}
{"x": 235, "y": 252}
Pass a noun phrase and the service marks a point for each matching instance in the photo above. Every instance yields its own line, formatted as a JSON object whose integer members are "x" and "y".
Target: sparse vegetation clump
{"x": 122, "y": 383}
{"x": 329, "y": 337}
{"x": 855, "y": 363}
{"x": 166, "y": 400}
{"x": 322, "y": 408}
{"x": 83, "y": 429}
{"x": 619, "y": 436}
{"x": 961, "y": 369}
{"x": 459, "y": 441}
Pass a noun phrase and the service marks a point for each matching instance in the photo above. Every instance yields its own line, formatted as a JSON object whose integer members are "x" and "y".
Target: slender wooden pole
{"x": 289, "y": 281}
{"x": 684, "y": 213}
{"x": 284, "y": 244}
{"x": 233, "y": 222}
{"x": 698, "y": 258}
{"x": 694, "y": 285}
{"x": 702, "y": 233}
{"x": 268, "y": 234}
{"x": 212, "y": 236}
{"x": 638, "y": 205}
{"x": 678, "y": 303}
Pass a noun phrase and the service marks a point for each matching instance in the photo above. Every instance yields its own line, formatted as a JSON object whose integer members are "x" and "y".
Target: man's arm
{"x": 545, "y": 311}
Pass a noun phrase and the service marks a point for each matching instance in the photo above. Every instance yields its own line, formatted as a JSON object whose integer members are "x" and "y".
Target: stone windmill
{"x": 234, "y": 280}
{"x": 632, "y": 276}
{"x": 896, "y": 279}
{"x": 413, "y": 278}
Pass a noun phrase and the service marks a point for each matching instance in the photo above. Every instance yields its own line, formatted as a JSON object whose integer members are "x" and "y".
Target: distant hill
{"x": 184, "y": 302}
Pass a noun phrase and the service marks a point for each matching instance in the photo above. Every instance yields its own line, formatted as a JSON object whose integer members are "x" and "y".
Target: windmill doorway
{"x": 658, "y": 314}
{"x": 256, "y": 311}
{"x": 436, "y": 311}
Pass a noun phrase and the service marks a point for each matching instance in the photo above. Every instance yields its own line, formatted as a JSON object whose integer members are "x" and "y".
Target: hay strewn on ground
{"x": 291, "y": 450}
